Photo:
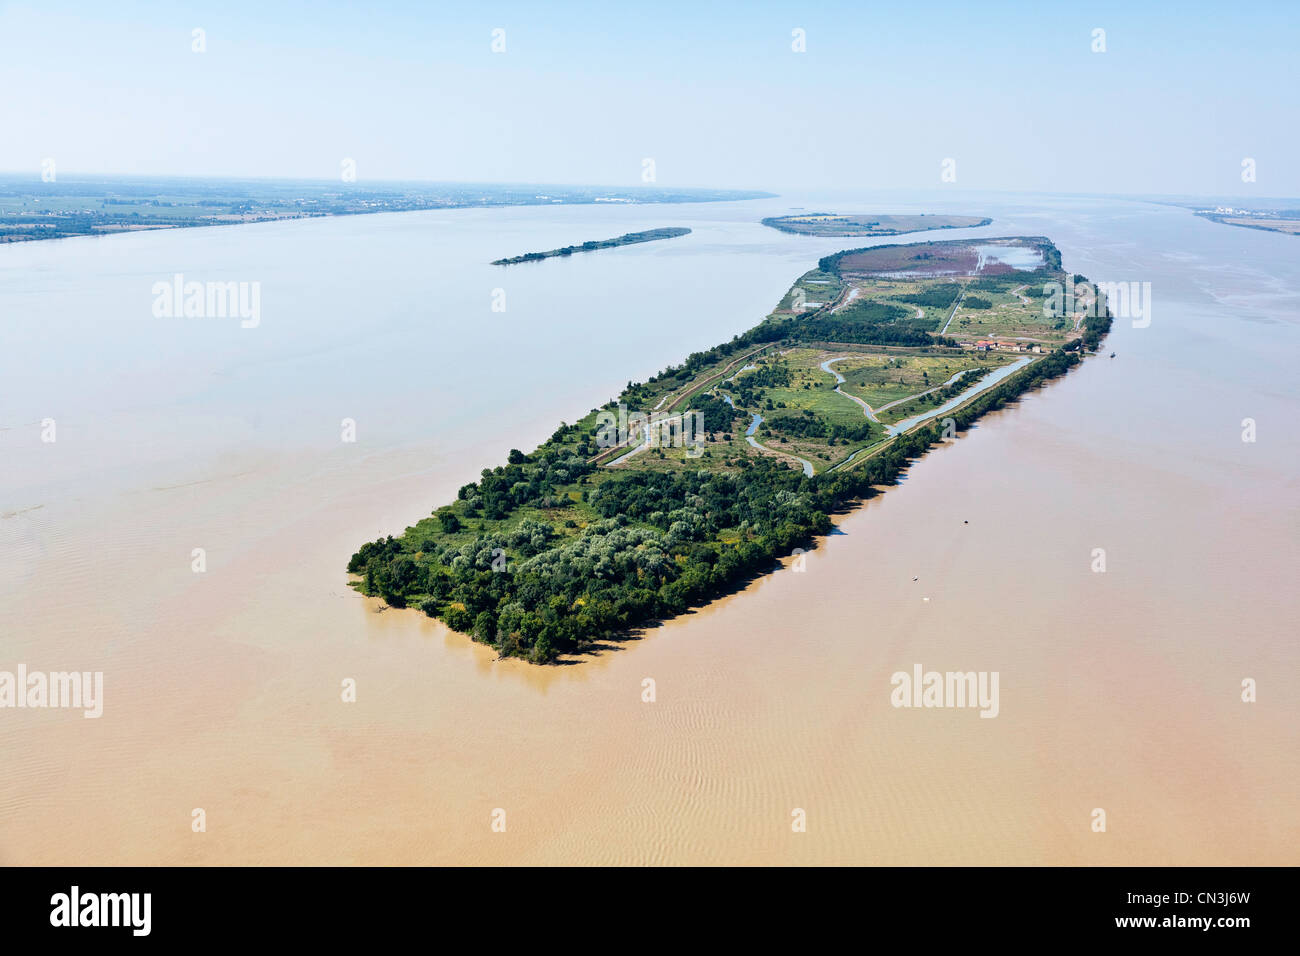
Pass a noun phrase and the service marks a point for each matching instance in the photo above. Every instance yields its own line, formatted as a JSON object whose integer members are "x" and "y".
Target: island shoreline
{"x": 497, "y": 566}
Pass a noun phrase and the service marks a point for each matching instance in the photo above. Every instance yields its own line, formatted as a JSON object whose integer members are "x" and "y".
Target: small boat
{"x": 1112, "y": 354}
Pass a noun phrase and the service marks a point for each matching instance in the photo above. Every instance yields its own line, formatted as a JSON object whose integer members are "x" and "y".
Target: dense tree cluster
{"x": 864, "y": 328}
{"x": 808, "y": 425}
{"x": 715, "y": 414}
{"x": 665, "y": 542}
{"x": 657, "y": 549}
{"x": 522, "y": 481}
{"x": 749, "y": 387}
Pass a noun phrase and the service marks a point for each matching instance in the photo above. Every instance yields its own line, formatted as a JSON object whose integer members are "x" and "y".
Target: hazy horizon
{"x": 84, "y": 176}
{"x": 720, "y": 98}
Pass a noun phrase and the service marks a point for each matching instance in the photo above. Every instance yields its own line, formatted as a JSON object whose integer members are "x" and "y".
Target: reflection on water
{"x": 1120, "y": 689}
{"x": 1024, "y": 258}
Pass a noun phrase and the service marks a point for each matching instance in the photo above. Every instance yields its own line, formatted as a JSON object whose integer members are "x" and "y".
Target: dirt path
{"x": 953, "y": 314}
{"x": 873, "y": 412}
{"x": 807, "y": 465}
{"x": 672, "y": 399}
{"x": 899, "y": 401}
{"x": 1024, "y": 300}
{"x": 839, "y": 380}
{"x": 847, "y": 300}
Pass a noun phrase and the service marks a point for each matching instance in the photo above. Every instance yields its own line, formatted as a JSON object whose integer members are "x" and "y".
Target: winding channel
{"x": 984, "y": 384}
{"x": 890, "y": 430}
{"x": 753, "y": 427}
{"x": 839, "y": 380}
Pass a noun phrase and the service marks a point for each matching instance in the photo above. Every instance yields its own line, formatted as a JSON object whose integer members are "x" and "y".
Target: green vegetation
{"x": 578, "y": 542}
{"x": 649, "y": 235}
{"x": 887, "y": 378}
{"x": 870, "y": 323}
{"x": 64, "y": 207}
{"x": 934, "y": 397}
{"x": 829, "y": 224}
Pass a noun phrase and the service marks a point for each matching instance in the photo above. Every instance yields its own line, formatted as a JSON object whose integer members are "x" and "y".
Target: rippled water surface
{"x": 222, "y": 689}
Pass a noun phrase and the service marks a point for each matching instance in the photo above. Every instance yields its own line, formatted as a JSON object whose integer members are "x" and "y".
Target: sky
{"x": 714, "y": 93}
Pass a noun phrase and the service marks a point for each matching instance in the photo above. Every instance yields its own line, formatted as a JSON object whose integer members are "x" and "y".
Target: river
{"x": 1119, "y": 690}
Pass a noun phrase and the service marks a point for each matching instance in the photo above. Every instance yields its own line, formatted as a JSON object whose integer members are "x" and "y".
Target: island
{"x": 1285, "y": 221}
{"x": 62, "y": 208}
{"x": 688, "y": 485}
{"x": 649, "y": 235}
{"x": 831, "y": 225}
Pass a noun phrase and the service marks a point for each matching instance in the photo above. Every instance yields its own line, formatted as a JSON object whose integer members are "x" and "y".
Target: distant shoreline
{"x": 1287, "y": 225}
{"x": 32, "y": 210}
{"x": 627, "y": 239}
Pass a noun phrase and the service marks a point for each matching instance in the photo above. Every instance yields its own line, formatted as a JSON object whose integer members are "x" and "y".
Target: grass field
{"x": 803, "y": 413}
{"x": 879, "y": 380}
{"x": 1008, "y": 317}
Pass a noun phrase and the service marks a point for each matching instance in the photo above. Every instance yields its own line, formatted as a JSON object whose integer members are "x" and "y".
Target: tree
{"x": 543, "y": 652}
{"x": 485, "y": 627}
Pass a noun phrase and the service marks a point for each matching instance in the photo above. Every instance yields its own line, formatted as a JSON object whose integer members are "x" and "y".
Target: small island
{"x": 688, "y": 485}
{"x": 831, "y": 225}
{"x": 1285, "y": 221}
{"x": 649, "y": 235}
